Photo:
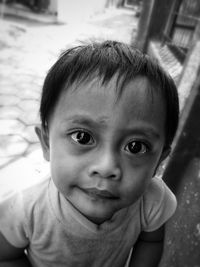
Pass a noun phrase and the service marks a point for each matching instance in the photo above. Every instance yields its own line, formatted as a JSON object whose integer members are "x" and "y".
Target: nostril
{"x": 112, "y": 176}
{"x": 95, "y": 173}
{"x": 106, "y": 174}
{"x": 106, "y": 166}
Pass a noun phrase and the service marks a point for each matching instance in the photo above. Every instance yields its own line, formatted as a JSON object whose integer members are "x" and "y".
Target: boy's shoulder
{"x": 36, "y": 188}
{"x": 20, "y": 211}
{"x": 35, "y": 194}
{"x": 156, "y": 190}
{"x": 158, "y": 204}
{"x": 31, "y": 194}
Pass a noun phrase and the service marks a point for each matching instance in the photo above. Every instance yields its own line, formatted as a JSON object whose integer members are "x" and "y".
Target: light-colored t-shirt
{"x": 56, "y": 234}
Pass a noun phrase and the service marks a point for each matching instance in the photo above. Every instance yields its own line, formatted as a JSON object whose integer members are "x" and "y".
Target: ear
{"x": 43, "y": 136}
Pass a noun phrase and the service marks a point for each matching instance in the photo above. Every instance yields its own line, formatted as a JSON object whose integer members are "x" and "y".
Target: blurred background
{"x": 33, "y": 33}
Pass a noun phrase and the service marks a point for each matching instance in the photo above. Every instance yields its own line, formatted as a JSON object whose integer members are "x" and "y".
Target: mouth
{"x": 97, "y": 193}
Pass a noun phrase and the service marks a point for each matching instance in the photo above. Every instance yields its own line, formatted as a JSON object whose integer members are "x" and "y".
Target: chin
{"x": 101, "y": 217}
{"x": 99, "y": 220}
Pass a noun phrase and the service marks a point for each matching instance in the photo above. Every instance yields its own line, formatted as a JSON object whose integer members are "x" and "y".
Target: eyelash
{"x": 89, "y": 140}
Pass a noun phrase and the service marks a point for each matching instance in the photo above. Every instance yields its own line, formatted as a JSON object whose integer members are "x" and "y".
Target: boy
{"x": 109, "y": 115}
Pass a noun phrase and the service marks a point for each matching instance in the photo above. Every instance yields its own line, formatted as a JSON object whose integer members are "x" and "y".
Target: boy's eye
{"x": 82, "y": 138}
{"x": 137, "y": 147}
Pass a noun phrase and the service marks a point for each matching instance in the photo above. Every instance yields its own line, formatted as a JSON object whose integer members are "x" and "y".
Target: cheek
{"x": 66, "y": 171}
{"x": 135, "y": 184}
{"x": 62, "y": 172}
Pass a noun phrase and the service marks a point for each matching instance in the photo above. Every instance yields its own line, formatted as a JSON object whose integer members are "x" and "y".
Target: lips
{"x": 97, "y": 193}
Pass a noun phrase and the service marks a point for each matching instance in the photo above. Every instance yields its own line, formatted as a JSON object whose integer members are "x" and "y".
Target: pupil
{"x": 135, "y": 147}
{"x": 83, "y": 138}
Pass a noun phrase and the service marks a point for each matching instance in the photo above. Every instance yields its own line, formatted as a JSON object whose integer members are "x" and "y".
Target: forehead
{"x": 143, "y": 99}
{"x": 138, "y": 101}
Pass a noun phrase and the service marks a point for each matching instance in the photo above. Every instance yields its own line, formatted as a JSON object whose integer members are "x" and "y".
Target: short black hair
{"x": 104, "y": 60}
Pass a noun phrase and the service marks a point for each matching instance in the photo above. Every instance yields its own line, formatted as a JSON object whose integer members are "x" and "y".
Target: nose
{"x": 106, "y": 166}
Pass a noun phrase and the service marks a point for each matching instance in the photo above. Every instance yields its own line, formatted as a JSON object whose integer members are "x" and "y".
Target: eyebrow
{"x": 87, "y": 120}
{"x": 144, "y": 130}
{"x": 147, "y": 131}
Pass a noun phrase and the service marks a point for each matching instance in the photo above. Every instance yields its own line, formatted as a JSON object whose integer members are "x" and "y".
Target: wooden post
{"x": 143, "y": 28}
{"x": 154, "y": 16}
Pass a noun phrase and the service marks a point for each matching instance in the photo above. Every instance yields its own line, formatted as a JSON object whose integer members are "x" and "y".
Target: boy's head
{"x": 109, "y": 115}
{"x": 105, "y": 60}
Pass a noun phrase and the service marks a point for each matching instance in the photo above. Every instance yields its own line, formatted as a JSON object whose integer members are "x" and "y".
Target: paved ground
{"x": 27, "y": 50}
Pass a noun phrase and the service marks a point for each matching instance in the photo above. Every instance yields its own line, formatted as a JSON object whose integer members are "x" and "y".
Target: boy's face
{"x": 104, "y": 150}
